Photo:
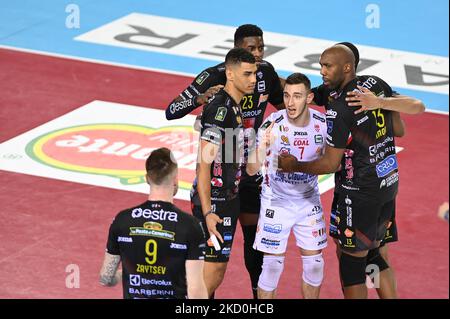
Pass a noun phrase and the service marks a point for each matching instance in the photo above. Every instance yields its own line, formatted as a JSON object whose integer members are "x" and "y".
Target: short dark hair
{"x": 239, "y": 55}
{"x": 354, "y": 49}
{"x": 299, "y": 78}
{"x": 246, "y": 30}
{"x": 159, "y": 165}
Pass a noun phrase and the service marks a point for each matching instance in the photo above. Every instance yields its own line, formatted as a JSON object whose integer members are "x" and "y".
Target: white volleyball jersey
{"x": 305, "y": 143}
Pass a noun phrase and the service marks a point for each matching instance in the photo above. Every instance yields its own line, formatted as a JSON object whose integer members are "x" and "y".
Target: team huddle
{"x": 264, "y": 173}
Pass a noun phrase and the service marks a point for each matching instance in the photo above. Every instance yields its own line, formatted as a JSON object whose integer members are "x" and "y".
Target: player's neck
{"x": 164, "y": 194}
{"x": 233, "y": 92}
{"x": 303, "y": 119}
{"x": 347, "y": 80}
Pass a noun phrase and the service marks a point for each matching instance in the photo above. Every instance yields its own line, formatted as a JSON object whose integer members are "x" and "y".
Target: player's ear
{"x": 309, "y": 97}
{"x": 229, "y": 73}
{"x": 347, "y": 67}
{"x": 175, "y": 183}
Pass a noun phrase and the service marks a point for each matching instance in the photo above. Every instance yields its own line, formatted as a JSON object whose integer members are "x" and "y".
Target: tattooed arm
{"x": 109, "y": 276}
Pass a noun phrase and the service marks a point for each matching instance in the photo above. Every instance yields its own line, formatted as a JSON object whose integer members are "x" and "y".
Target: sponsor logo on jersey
{"x": 330, "y": 129}
{"x": 386, "y": 166}
{"x": 135, "y": 280}
{"x": 178, "y": 106}
{"x": 317, "y": 127}
{"x": 270, "y": 213}
{"x": 227, "y": 236}
{"x": 124, "y": 239}
{"x": 296, "y": 133}
{"x": 216, "y": 182}
{"x": 389, "y": 181}
{"x": 142, "y": 231}
{"x": 348, "y": 233}
{"x": 202, "y": 77}
{"x": 221, "y": 114}
{"x": 154, "y": 214}
{"x": 321, "y": 232}
{"x": 227, "y": 221}
{"x": 360, "y": 121}
{"x": 153, "y": 225}
{"x": 317, "y": 117}
{"x": 331, "y": 114}
{"x": 318, "y": 139}
{"x": 274, "y": 229}
{"x": 301, "y": 142}
{"x": 261, "y": 86}
{"x": 278, "y": 120}
{"x": 270, "y": 242}
{"x": 285, "y": 140}
{"x": 178, "y": 246}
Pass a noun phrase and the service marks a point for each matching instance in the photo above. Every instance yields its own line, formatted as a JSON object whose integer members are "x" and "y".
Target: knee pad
{"x": 271, "y": 272}
{"x": 352, "y": 269}
{"x": 313, "y": 269}
{"x": 374, "y": 257}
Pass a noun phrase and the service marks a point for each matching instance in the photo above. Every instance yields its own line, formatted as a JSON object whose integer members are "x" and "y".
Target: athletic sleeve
{"x": 196, "y": 242}
{"x": 339, "y": 122}
{"x": 206, "y": 79}
{"x": 112, "y": 246}
{"x": 214, "y": 123}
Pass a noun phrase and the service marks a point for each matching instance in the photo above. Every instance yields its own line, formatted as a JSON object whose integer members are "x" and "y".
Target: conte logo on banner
{"x": 116, "y": 150}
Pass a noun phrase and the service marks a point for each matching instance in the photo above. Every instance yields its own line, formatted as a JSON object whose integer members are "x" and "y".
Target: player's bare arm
{"x": 398, "y": 125}
{"x": 368, "y": 101}
{"x": 194, "y": 278}
{"x": 328, "y": 163}
{"x": 207, "y": 154}
{"x": 109, "y": 276}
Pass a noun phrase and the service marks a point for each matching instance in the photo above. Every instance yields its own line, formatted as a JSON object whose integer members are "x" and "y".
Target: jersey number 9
{"x": 151, "y": 247}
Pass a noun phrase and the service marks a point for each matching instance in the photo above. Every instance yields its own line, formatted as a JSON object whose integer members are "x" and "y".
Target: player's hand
{"x": 203, "y": 98}
{"x": 267, "y": 137}
{"x": 365, "y": 98}
{"x": 197, "y": 123}
{"x": 287, "y": 163}
{"x": 211, "y": 222}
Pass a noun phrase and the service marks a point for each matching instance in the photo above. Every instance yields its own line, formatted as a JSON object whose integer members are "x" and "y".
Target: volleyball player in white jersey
{"x": 290, "y": 200}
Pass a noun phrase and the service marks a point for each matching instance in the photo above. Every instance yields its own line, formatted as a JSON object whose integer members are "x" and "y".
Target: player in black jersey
{"x": 363, "y": 144}
{"x": 215, "y": 192}
{"x": 268, "y": 89}
{"x": 161, "y": 248}
{"x": 322, "y": 96}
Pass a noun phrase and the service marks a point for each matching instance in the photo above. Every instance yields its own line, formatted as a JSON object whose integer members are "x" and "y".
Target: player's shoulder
{"x": 186, "y": 218}
{"x": 278, "y": 116}
{"x": 220, "y": 100}
{"x": 215, "y": 72}
{"x": 266, "y": 67}
{"x": 130, "y": 213}
{"x": 375, "y": 84}
{"x": 318, "y": 115}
